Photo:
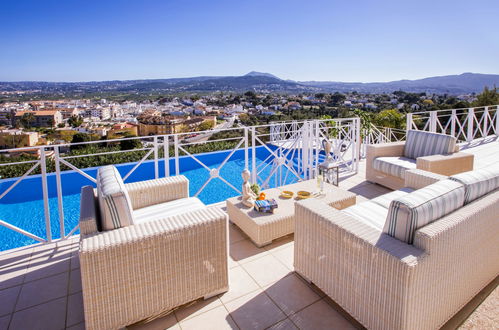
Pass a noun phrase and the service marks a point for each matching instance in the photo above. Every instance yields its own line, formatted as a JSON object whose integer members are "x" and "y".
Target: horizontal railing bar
{"x": 22, "y": 231}
{"x": 105, "y": 153}
{"x": 20, "y": 163}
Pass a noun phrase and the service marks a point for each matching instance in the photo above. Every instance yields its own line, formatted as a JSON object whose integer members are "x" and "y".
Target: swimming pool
{"x": 23, "y": 206}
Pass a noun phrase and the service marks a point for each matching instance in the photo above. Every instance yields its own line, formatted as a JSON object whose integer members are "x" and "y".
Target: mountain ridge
{"x": 265, "y": 82}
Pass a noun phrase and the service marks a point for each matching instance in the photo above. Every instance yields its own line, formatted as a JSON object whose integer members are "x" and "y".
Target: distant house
{"x": 48, "y": 118}
{"x": 415, "y": 107}
{"x": 16, "y": 138}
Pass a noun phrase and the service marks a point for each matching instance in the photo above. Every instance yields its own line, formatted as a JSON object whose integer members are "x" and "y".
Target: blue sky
{"x": 76, "y": 40}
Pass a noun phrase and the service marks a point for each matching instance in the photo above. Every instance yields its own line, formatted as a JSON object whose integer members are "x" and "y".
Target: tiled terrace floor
{"x": 40, "y": 288}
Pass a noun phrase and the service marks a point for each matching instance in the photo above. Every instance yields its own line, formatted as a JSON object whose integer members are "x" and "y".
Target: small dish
{"x": 287, "y": 194}
{"x": 302, "y": 194}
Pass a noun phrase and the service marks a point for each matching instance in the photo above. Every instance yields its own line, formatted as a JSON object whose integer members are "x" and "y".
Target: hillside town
{"x": 31, "y": 123}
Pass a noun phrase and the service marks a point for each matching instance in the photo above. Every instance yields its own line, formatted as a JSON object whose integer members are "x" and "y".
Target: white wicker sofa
{"x": 392, "y": 279}
{"x": 158, "y": 249}
{"x": 386, "y": 164}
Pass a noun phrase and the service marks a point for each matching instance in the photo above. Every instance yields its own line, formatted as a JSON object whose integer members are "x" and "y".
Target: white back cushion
{"x": 421, "y": 207}
{"x": 421, "y": 143}
{"x": 114, "y": 202}
{"x": 478, "y": 183}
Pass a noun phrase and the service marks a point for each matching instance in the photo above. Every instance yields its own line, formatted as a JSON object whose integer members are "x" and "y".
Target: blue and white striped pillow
{"x": 478, "y": 183}
{"x": 114, "y": 202}
{"x": 421, "y": 207}
{"x": 421, "y": 143}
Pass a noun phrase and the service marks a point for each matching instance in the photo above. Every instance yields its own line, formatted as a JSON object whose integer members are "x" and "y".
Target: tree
{"x": 337, "y": 98}
{"x": 390, "y": 118}
{"x": 75, "y": 121}
{"x": 206, "y": 125}
{"x": 487, "y": 97}
{"x": 80, "y": 137}
{"x": 130, "y": 144}
{"x": 27, "y": 119}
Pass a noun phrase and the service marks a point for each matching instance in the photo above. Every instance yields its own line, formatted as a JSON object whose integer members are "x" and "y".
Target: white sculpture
{"x": 249, "y": 196}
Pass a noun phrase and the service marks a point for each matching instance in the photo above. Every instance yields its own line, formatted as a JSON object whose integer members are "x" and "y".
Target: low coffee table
{"x": 263, "y": 228}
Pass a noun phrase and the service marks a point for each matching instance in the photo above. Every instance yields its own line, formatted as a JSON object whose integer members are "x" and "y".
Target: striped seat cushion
{"x": 374, "y": 212}
{"x": 114, "y": 202}
{"x": 421, "y": 143}
{"x": 164, "y": 210}
{"x": 421, "y": 207}
{"x": 478, "y": 183}
{"x": 395, "y": 166}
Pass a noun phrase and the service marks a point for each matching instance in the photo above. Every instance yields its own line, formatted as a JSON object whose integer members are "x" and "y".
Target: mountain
{"x": 452, "y": 84}
{"x": 256, "y": 81}
{"x": 261, "y": 74}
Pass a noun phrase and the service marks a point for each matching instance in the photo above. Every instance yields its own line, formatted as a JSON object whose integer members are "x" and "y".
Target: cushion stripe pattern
{"x": 395, "y": 166}
{"x": 421, "y": 207}
{"x": 421, "y": 143}
{"x": 478, "y": 183}
{"x": 114, "y": 202}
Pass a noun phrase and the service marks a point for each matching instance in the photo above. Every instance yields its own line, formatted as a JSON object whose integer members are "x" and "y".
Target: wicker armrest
{"x": 354, "y": 235}
{"x": 393, "y": 149}
{"x": 88, "y": 212}
{"x": 151, "y": 192}
{"x": 140, "y": 271}
{"x": 417, "y": 179}
{"x": 446, "y": 164}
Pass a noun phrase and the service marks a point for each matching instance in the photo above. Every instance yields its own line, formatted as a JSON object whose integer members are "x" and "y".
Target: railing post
{"x": 318, "y": 145}
{"x": 357, "y": 144}
{"x": 304, "y": 146}
{"x": 246, "y": 160}
{"x": 43, "y": 165}
{"x": 497, "y": 120}
{"x": 59, "y": 192}
{"x": 453, "y": 123}
{"x": 156, "y": 168}
{"x": 486, "y": 121}
{"x": 433, "y": 121}
{"x": 253, "y": 155}
{"x": 471, "y": 115}
{"x": 175, "y": 141}
{"x": 166, "y": 151}
{"x": 408, "y": 123}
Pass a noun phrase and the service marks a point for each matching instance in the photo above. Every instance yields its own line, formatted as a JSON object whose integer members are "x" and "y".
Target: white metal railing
{"x": 465, "y": 124}
{"x": 293, "y": 150}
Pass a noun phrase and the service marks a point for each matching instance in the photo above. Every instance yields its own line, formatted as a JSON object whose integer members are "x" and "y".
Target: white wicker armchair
{"x": 143, "y": 270}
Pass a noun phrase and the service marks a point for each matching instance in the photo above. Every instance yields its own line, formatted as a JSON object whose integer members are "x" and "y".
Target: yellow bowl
{"x": 303, "y": 194}
{"x": 287, "y": 194}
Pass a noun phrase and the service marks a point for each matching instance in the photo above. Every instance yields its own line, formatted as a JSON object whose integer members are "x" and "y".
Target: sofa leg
{"x": 215, "y": 293}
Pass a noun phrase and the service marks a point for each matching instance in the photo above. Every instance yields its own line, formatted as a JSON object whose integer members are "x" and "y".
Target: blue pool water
{"x": 23, "y": 206}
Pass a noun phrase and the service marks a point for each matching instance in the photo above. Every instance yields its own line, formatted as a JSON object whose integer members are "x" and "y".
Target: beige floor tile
{"x": 215, "y": 319}
{"x": 285, "y": 255}
{"x": 280, "y": 243}
{"x": 8, "y": 298}
{"x": 75, "y": 309}
{"x": 75, "y": 260}
{"x": 16, "y": 257}
{"x": 320, "y": 316}
{"x": 4, "y": 321}
{"x": 244, "y": 251}
{"x": 51, "y": 315}
{"x": 266, "y": 270}
{"x": 12, "y": 275}
{"x": 255, "y": 311}
{"x": 44, "y": 266}
{"x": 231, "y": 262}
{"x": 79, "y": 326}
{"x": 74, "y": 281}
{"x": 291, "y": 294}
{"x": 167, "y": 322}
{"x": 286, "y": 324}
{"x": 197, "y": 308}
{"x": 40, "y": 291}
{"x": 235, "y": 234}
{"x": 240, "y": 283}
